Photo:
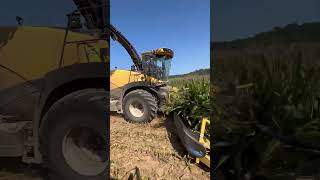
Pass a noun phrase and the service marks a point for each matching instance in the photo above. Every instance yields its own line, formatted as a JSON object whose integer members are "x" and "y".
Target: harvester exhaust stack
{"x": 19, "y": 20}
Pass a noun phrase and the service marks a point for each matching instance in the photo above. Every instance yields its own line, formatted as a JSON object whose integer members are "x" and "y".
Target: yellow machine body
{"x": 148, "y": 83}
{"x": 34, "y": 51}
{"x": 121, "y": 78}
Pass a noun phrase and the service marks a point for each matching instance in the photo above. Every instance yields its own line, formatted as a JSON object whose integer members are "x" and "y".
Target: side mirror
{"x": 75, "y": 21}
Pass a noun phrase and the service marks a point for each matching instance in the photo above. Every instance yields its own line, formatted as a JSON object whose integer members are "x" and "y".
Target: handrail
{"x": 204, "y": 122}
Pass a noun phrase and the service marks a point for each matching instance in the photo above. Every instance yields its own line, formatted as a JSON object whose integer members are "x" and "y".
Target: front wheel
{"x": 139, "y": 106}
{"x": 74, "y": 136}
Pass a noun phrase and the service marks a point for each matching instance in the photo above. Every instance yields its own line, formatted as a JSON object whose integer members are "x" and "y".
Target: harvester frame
{"x": 140, "y": 83}
{"x": 71, "y": 88}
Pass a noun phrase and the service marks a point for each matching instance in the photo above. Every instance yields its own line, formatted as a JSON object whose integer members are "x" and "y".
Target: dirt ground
{"x": 14, "y": 169}
{"x": 152, "y": 148}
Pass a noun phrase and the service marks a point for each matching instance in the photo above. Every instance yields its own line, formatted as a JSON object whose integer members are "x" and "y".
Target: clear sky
{"x": 36, "y": 12}
{"x": 182, "y": 25}
{"x": 234, "y": 19}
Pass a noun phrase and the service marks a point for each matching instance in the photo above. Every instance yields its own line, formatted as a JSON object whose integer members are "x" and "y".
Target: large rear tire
{"x": 73, "y": 134}
{"x": 139, "y": 106}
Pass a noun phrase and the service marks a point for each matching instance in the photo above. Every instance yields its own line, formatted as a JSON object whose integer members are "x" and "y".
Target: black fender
{"x": 161, "y": 93}
{"x": 61, "y": 76}
{"x": 119, "y": 93}
{"x": 138, "y": 85}
{"x": 57, "y": 78}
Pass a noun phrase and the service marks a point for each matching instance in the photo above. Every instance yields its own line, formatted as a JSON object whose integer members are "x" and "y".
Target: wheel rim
{"x": 85, "y": 151}
{"x": 136, "y": 109}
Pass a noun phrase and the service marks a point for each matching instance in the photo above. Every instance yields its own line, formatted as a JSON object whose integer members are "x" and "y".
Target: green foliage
{"x": 191, "y": 102}
{"x": 199, "y": 72}
{"x": 179, "y": 82}
{"x": 278, "y": 89}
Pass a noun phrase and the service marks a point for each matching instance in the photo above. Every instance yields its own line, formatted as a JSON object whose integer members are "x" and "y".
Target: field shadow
{"x": 14, "y": 168}
{"x": 112, "y": 113}
{"x": 167, "y": 122}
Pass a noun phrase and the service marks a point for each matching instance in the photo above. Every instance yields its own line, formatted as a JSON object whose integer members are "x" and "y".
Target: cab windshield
{"x": 157, "y": 67}
{"x": 164, "y": 66}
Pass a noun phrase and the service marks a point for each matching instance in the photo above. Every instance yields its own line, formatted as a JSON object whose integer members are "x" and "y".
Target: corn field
{"x": 180, "y": 82}
{"x": 278, "y": 90}
{"x": 191, "y": 102}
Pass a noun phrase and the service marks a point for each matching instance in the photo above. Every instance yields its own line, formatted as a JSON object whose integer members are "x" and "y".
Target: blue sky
{"x": 182, "y": 25}
{"x": 234, "y": 19}
{"x": 36, "y": 12}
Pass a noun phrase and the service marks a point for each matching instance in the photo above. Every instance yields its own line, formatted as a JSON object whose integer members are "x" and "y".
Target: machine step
{"x": 114, "y": 105}
{"x": 12, "y": 138}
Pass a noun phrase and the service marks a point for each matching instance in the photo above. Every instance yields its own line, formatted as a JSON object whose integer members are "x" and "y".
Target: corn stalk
{"x": 191, "y": 102}
{"x": 279, "y": 90}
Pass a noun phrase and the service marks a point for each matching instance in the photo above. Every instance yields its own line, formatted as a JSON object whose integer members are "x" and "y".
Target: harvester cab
{"x": 157, "y": 63}
{"x": 140, "y": 93}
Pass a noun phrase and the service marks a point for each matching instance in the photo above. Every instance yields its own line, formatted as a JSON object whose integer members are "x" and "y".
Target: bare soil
{"x": 153, "y": 149}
